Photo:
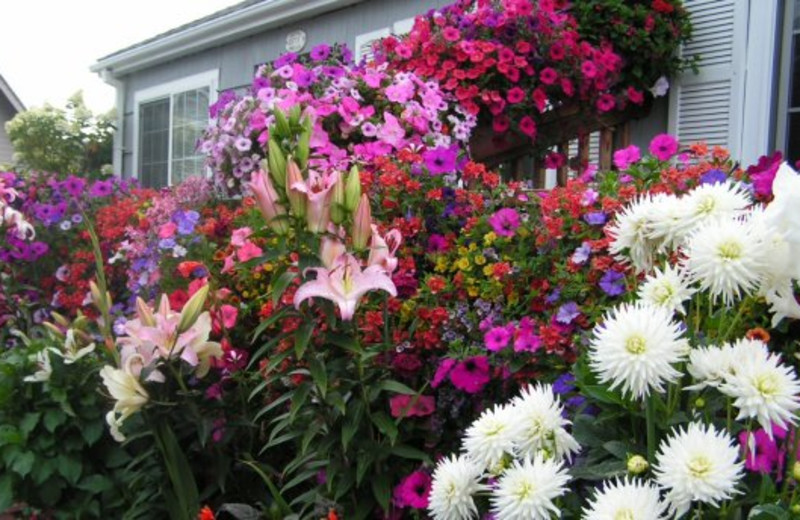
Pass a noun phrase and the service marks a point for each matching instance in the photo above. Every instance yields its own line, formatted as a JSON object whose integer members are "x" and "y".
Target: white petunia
{"x": 527, "y": 489}
{"x": 764, "y": 388}
{"x": 455, "y": 482}
{"x": 628, "y": 499}
{"x": 630, "y": 235}
{"x": 711, "y": 202}
{"x": 635, "y": 348}
{"x": 490, "y": 438}
{"x": 726, "y": 257}
{"x": 540, "y": 424}
{"x": 698, "y": 464}
{"x": 667, "y": 288}
{"x": 710, "y": 366}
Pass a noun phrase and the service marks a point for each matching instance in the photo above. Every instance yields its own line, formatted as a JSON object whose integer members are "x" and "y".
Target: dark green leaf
{"x": 53, "y": 419}
{"x": 396, "y": 387}
{"x": 70, "y": 468}
{"x": 301, "y": 338}
{"x": 22, "y": 463}
{"x": 407, "y": 452}
{"x": 382, "y": 490}
{"x": 28, "y": 422}
{"x": 768, "y": 512}
{"x": 6, "y": 491}
{"x": 299, "y": 397}
{"x": 264, "y": 325}
{"x": 280, "y": 285}
{"x": 385, "y": 424}
{"x": 317, "y": 368}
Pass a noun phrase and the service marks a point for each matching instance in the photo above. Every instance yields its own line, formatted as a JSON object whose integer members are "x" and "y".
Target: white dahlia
{"x": 540, "y": 425}
{"x": 630, "y": 232}
{"x": 784, "y": 210}
{"x": 667, "y": 222}
{"x": 783, "y": 304}
{"x": 667, "y": 288}
{"x": 712, "y": 366}
{"x": 490, "y": 437}
{"x": 526, "y": 490}
{"x": 778, "y": 267}
{"x": 698, "y": 464}
{"x": 635, "y": 348}
{"x": 628, "y": 499}
{"x": 710, "y": 202}
{"x": 764, "y": 388}
{"x": 455, "y": 481}
{"x": 726, "y": 257}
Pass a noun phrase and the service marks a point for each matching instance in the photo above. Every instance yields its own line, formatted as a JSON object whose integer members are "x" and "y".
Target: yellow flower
{"x": 267, "y": 267}
{"x": 479, "y": 260}
{"x": 407, "y": 310}
{"x": 473, "y": 247}
{"x": 463, "y": 264}
{"x": 488, "y": 269}
{"x": 489, "y": 238}
{"x": 472, "y": 291}
{"x": 257, "y": 276}
{"x": 441, "y": 264}
{"x": 463, "y": 251}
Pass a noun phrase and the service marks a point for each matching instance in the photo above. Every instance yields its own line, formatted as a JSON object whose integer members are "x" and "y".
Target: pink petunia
{"x": 471, "y": 375}
{"x": 626, "y": 156}
{"x": 248, "y": 251}
{"x": 413, "y": 491}
{"x": 497, "y": 339}
{"x": 664, "y": 146}
{"x": 401, "y": 405}
{"x": 442, "y": 371}
{"x": 505, "y": 222}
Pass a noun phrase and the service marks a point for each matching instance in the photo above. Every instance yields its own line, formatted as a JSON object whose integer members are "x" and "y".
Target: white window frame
{"x": 785, "y": 81}
{"x": 209, "y": 78}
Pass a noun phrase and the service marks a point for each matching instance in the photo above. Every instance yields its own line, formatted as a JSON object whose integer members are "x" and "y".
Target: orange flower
{"x": 759, "y": 334}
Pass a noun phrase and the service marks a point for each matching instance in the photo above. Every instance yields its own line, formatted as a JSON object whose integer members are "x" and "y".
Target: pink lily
{"x": 267, "y": 199}
{"x": 383, "y": 249}
{"x": 331, "y": 246}
{"x": 318, "y": 191}
{"x": 344, "y": 284}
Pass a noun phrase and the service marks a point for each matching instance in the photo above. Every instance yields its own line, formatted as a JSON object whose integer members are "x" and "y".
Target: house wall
{"x": 236, "y": 61}
{"x": 7, "y": 112}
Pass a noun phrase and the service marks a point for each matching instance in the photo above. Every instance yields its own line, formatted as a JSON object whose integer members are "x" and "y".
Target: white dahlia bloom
{"x": 784, "y": 210}
{"x": 491, "y": 437}
{"x": 726, "y": 257}
{"x": 635, "y": 348}
{"x": 540, "y": 426}
{"x": 455, "y": 481}
{"x": 764, "y": 388}
{"x": 778, "y": 265}
{"x": 668, "y": 288}
{"x": 783, "y": 304}
{"x": 628, "y": 499}
{"x": 630, "y": 235}
{"x": 526, "y": 490}
{"x": 667, "y": 223}
{"x": 698, "y": 464}
{"x": 711, "y": 366}
{"x": 711, "y": 202}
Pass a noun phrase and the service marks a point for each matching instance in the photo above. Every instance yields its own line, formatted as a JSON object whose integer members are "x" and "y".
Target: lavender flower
{"x": 613, "y": 283}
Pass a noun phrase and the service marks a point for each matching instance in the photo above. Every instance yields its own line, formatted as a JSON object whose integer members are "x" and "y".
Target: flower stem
{"x": 650, "y": 417}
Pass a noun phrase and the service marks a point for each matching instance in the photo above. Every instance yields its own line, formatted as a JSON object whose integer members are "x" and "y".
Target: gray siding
{"x": 236, "y": 60}
{"x": 7, "y": 112}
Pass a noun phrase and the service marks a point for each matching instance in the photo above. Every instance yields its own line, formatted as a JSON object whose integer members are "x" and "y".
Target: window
{"x": 169, "y": 120}
{"x": 788, "y": 138}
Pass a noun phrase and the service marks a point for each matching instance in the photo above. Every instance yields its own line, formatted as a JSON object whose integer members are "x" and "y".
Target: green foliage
{"x": 65, "y": 140}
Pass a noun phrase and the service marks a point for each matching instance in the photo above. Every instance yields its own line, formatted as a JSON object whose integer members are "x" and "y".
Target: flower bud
{"x": 352, "y": 190}
{"x": 796, "y": 471}
{"x": 191, "y": 311}
{"x": 637, "y": 465}
{"x": 146, "y": 317}
{"x": 338, "y": 211}
{"x": 98, "y": 298}
{"x": 277, "y": 163}
{"x": 267, "y": 199}
{"x": 297, "y": 200}
{"x": 362, "y": 223}
{"x": 699, "y": 402}
{"x": 281, "y": 123}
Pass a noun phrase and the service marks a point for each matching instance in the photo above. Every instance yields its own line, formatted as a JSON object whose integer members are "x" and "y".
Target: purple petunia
{"x": 581, "y": 254}
{"x": 713, "y": 177}
{"x": 505, "y": 222}
{"x": 613, "y": 283}
{"x": 497, "y": 338}
{"x": 567, "y": 312}
{"x": 101, "y": 189}
{"x": 440, "y": 160}
{"x": 74, "y": 186}
{"x": 595, "y": 218}
{"x": 285, "y": 59}
{"x": 321, "y": 52}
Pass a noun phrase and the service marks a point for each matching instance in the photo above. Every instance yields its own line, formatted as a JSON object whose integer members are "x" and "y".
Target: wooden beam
{"x": 606, "y": 145}
{"x": 563, "y": 171}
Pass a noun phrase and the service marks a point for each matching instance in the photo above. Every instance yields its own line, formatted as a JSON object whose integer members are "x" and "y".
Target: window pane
{"x": 793, "y": 141}
{"x": 796, "y": 14}
{"x": 153, "y": 142}
{"x": 189, "y": 119}
{"x": 795, "y": 78}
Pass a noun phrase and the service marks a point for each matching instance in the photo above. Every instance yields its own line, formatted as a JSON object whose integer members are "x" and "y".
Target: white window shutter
{"x": 402, "y": 27}
{"x": 364, "y": 43}
{"x": 709, "y": 106}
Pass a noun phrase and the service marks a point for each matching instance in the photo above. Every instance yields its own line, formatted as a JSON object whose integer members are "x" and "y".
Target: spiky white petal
{"x": 490, "y": 437}
{"x": 726, "y": 257}
{"x": 668, "y": 288}
{"x": 784, "y": 211}
{"x": 698, "y": 464}
{"x": 527, "y": 489}
{"x": 764, "y": 388}
{"x": 540, "y": 425}
{"x": 628, "y": 499}
{"x": 667, "y": 224}
{"x": 710, "y": 366}
{"x": 635, "y": 348}
{"x": 455, "y": 482}
{"x": 630, "y": 235}
{"x": 783, "y": 304}
{"x": 711, "y": 202}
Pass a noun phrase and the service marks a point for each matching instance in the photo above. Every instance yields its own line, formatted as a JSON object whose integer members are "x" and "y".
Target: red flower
{"x": 662, "y": 6}
{"x": 528, "y": 127}
{"x": 548, "y": 75}
{"x": 515, "y": 95}
{"x": 206, "y": 514}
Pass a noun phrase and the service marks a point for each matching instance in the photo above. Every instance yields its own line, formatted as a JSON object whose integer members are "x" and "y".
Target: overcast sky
{"x": 48, "y": 45}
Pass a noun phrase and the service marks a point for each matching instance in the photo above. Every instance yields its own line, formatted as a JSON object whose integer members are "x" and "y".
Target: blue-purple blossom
{"x": 582, "y": 254}
{"x": 553, "y": 296}
{"x": 186, "y": 221}
{"x": 613, "y": 283}
{"x": 564, "y": 384}
{"x": 595, "y": 218}
{"x": 567, "y": 312}
{"x": 713, "y": 177}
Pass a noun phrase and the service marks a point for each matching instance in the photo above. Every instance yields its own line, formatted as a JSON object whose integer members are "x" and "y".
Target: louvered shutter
{"x": 709, "y": 106}
{"x": 364, "y": 43}
{"x": 402, "y": 27}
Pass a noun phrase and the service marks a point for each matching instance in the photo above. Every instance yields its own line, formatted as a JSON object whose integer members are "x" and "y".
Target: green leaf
{"x": 180, "y": 474}
{"x": 408, "y": 452}
{"x": 396, "y": 386}
{"x": 768, "y": 512}
{"x": 351, "y": 423}
{"x": 23, "y": 463}
{"x": 601, "y": 471}
{"x": 381, "y": 490}
{"x": 53, "y": 419}
{"x": 29, "y": 422}
{"x": 299, "y": 397}
{"x": 280, "y": 285}
{"x": 69, "y": 468}
{"x": 10, "y": 435}
{"x": 301, "y": 338}
{"x": 603, "y": 394}
{"x": 318, "y": 373}
{"x": 619, "y": 449}
{"x": 264, "y": 325}
{"x": 92, "y": 432}
{"x": 363, "y": 463}
{"x": 385, "y": 424}
{"x": 96, "y": 484}
{"x": 6, "y": 491}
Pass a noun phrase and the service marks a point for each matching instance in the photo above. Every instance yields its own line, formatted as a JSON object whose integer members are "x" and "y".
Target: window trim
{"x": 209, "y": 78}
{"x": 785, "y": 75}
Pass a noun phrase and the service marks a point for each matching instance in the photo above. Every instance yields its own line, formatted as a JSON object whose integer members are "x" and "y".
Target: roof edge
{"x": 16, "y": 102}
{"x": 218, "y": 31}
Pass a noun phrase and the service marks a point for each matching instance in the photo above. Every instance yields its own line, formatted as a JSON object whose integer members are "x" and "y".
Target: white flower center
{"x": 624, "y": 514}
{"x": 523, "y": 491}
{"x": 700, "y": 467}
{"x": 636, "y": 344}
{"x": 730, "y": 250}
{"x": 766, "y": 385}
{"x": 494, "y": 429}
{"x": 663, "y": 293}
{"x": 707, "y": 205}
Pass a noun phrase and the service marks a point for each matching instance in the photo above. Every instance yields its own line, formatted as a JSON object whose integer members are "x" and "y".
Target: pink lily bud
{"x": 318, "y": 191}
{"x": 331, "y": 247}
{"x": 267, "y": 199}
{"x": 297, "y": 200}
{"x": 382, "y": 249}
{"x": 362, "y": 223}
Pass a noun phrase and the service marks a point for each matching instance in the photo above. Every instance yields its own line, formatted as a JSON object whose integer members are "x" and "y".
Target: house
{"x": 742, "y": 98}
{"x": 10, "y": 105}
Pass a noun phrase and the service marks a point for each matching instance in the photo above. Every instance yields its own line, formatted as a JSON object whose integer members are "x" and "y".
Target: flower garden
{"x": 354, "y": 319}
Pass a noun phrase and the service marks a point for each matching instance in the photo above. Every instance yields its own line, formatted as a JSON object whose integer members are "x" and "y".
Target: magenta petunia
{"x": 412, "y": 406}
{"x": 471, "y": 375}
{"x": 505, "y": 222}
{"x": 413, "y": 490}
{"x": 443, "y": 370}
{"x": 497, "y": 338}
{"x": 664, "y": 146}
{"x": 440, "y": 160}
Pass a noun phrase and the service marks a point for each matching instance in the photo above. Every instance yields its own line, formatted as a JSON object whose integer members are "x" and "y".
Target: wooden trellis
{"x": 560, "y": 130}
